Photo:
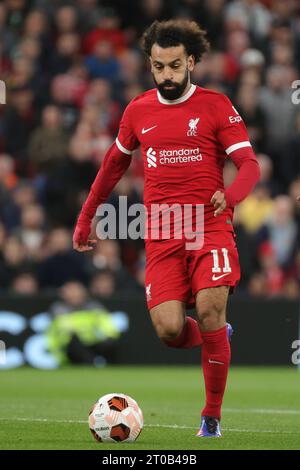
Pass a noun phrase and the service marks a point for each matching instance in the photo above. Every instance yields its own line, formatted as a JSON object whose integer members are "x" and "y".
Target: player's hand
{"x": 81, "y": 241}
{"x": 219, "y": 202}
{"x": 298, "y": 198}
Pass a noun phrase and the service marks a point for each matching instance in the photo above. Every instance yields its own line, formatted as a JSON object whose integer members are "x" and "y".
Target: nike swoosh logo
{"x": 215, "y": 362}
{"x": 147, "y": 130}
{"x": 216, "y": 278}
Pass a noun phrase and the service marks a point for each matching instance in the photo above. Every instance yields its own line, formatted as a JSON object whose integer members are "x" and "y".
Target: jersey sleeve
{"x": 231, "y": 130}
{"x": 127, "y": 141}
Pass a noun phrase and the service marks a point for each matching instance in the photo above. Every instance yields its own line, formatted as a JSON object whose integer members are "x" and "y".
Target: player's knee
{"x": 211, "y": 317}
{"x": 167, "y": 331}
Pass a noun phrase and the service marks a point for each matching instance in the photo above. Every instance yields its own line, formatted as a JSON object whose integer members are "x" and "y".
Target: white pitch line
{"x": 253, "y": 431}
{"x": 46, "y": 420}
{"x": 261, "y": 431}
{"x": 261, "y": 411}
{"x": 166, "y": 426}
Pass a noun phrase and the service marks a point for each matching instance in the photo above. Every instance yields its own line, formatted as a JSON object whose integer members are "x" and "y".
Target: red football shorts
{"x": 175, "y": 273}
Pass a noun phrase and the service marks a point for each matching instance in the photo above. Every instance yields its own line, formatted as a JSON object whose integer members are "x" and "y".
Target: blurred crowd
{"x": 71, "y": 67}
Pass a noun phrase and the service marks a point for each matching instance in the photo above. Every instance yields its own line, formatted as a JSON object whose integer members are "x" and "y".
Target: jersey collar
{"x": 179, "y": 100}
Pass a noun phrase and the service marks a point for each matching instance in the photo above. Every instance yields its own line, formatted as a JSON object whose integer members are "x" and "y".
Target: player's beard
{"x": 177, "y": 91}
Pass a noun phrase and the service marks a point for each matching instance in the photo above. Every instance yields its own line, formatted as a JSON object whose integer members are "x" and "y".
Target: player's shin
{"x": 190, "y": 337}
{"x": 216, "y": 357}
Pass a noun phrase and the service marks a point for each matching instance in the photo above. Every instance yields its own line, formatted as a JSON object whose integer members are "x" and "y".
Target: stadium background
{"x": 70, "y": 69}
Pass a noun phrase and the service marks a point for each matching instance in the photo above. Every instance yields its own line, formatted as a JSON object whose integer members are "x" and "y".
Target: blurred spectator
{"x": 36, "y": 24}
{"x": 238, "y": 42}
{"x": 30, "y": 50}
{"x": 2, "y": 237}
{"x": 273, "y": 273}
{"x": 107, "y": 31}
{"x": 68, "y": 90}
{"x": 276, "y": 102}
{"x": 246, "y": 245}
{"x": 48, "y": 144}
{"x": 19, "y": 119}
{"x": 102, "y": 63}
{"x": 254, "y": 117}
{"x": 16, "y": 13}
{"x": 131, "y": 67}
{"x": 266, "y": 174}
{"x": 283, "y": 10}
{"x": 103, "y": 284}
{"x": 140, "y": 271}
{"x": 89, "y": 12}
{"x": 22, "y": 74}
{"x": 79, "y": 166}
{"x": 294, "y": 271}
{"x": 290, "y": 289}
{"x": 66, "y": 19}
{"x": 25, "y": 284}
{"x": 8, "y": 38}
{"x": 3, "y": 275}
{"x": 8, "y": 178}
{"x": 256, "y": 209}
{"x": 61, "y": 263}
{"x": 291, "y": 154}
{"x": 31, "y": 232}
{"x": 131, "y": 91}
{"x": 216, "y": 71}
{"x": 82, "y": 331}
{"x": 12, "y": 204}
{"x": 212, "y": 15}
{"x": 91, "y": 139}
{"x": 257, "y": 286}
{"x": 100, "y": 95}
{"x": 66, "y": 54}
{"x": 147, "y": 11}
{"x": 249, "y": 15}
{"x": 253, "y": 59}
{"x": 107, "y": 256}
{"x": 276, "y": 98}
{"x": 73, "y": 297}
{"x": 250, "y": 77}
{"x": 12, "y": 261}
{"x": 294, "y": 191}
{"x": 281, "y": 232}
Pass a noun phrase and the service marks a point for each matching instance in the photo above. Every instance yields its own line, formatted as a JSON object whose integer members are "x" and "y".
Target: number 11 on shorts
{"x": 216, "y": 267}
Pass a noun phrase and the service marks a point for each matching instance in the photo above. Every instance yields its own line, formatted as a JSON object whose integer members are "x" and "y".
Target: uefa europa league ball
{"x": 115, "y": 418}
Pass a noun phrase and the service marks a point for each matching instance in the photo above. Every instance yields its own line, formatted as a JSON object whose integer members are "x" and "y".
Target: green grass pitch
{"x": 48, "y": 410}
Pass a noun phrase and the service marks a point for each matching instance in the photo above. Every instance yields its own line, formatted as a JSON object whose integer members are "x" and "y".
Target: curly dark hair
{"x": 175, "y": 32}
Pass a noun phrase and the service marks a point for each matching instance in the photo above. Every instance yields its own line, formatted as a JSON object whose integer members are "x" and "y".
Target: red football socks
{"x": 190, "y": 337}
{"x": 215, "y": 363}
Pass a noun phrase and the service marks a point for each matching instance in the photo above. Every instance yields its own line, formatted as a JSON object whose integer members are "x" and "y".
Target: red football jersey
{"x": 184, "y": 144}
